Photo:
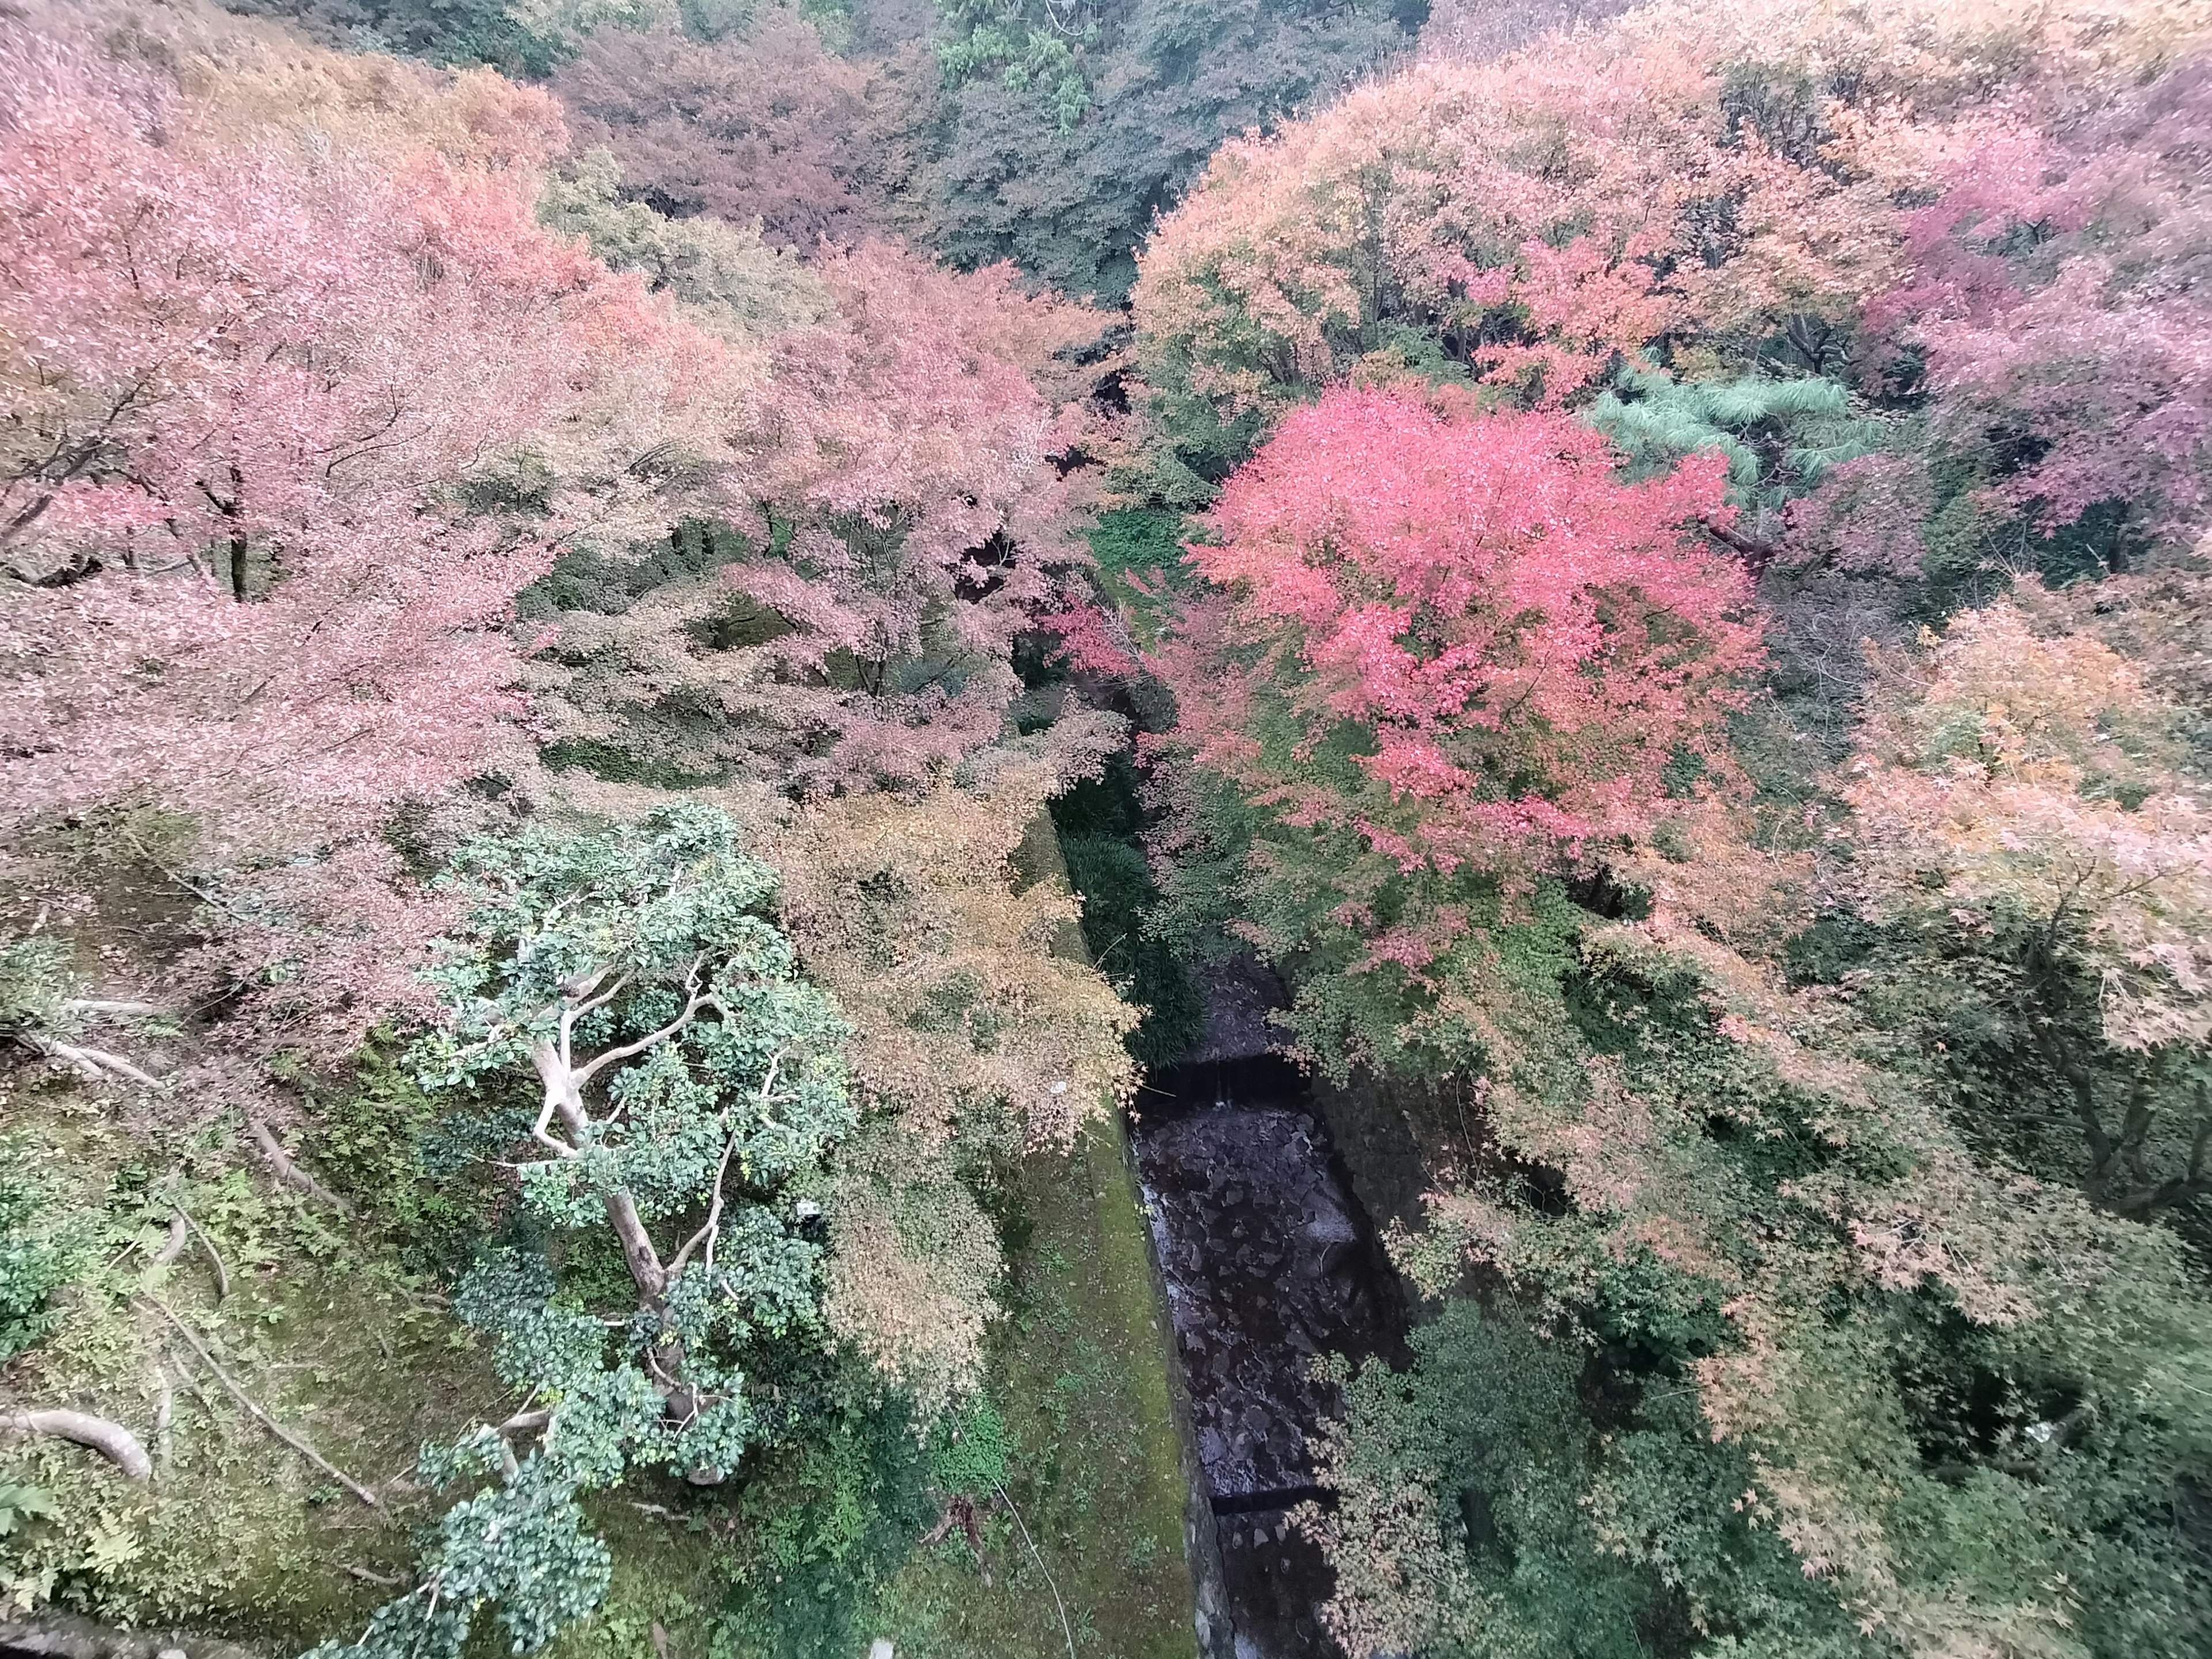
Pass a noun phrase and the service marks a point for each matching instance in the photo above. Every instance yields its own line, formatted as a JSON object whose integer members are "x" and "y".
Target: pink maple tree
{"x": 2050, "y": 286}
{"x": 916, "y": 516}
{"x": 246, "y": 393}
{"x": 763, "y": 126}
{"x": 1511, "y": 646}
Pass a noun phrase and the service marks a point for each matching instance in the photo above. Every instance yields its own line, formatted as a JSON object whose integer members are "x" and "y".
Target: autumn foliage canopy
{"x": 1661, "y": 582}
{"x": 246, "y": 389}
{"x": 1512, "y": 646}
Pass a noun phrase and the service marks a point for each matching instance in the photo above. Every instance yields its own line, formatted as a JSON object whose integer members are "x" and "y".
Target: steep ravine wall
{"x": 1123, "y": 1213}
{"x": 1272, "y": 1262}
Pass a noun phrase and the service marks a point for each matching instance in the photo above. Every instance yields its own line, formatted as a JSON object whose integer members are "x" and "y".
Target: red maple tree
{"x": 1509, "y": 646}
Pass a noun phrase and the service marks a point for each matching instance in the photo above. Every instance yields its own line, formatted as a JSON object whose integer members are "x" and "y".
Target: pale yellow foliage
{"x": 2012, "y": 772}
{"x": 248, "y": 81}
{"x": 979, "y": 1030}
{"x": 908, "y": 910}
{"x": 914, "y": 1265}
{"x": 1807, "y": 1399}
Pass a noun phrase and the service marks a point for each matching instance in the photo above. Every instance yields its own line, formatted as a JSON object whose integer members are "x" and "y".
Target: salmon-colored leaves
{"x": 1525, "y": 643}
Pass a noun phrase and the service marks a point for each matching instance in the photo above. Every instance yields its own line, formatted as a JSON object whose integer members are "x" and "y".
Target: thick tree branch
{"x": 2101, "y": 1150}
{"x": 94, "y": 1064}
{"x": 1756, "y": 553}
{"x": 289, "y": 1172}
{"x": 111, "y": 1440}
{"x": 700, "y": 1000}
{"x": 560, "y": 1082}
{"x": 578, "y": 992}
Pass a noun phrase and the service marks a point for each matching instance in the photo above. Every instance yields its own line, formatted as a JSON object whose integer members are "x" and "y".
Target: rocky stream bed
{"x": 1269, "y": 1264}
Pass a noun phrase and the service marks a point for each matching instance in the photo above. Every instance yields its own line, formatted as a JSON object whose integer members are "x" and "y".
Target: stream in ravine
{"x": 1269, "y": 1263}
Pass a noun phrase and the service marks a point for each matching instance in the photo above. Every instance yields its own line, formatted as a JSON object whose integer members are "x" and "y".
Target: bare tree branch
{"x": 94, "y": 1065}
{"x": 214, "y": 1256}
{"x": 652, "y": 1040}
{"x": 164, "y": 1411}
{"x": 192, "y": 1339}
{"x": 710, "y": 1230}
{"x": 172, "y": 1247}
{"x": 289, "y": 1172}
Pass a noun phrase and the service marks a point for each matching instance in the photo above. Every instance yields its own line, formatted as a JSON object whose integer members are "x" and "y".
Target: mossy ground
{"x": 1094, "y": 1465}
{"x": 1078, "y": 1375}
{"x": 336, "y": 1323}
{"x": 237, "y": 1533}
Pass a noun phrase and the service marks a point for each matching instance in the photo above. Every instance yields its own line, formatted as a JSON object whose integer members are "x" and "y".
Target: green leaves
{"x": 1030, "y": 51}
{"x": 607, "y": 1421}
{"x": 968, "y": 1451}
{"x": 1781, "y": 437}
{"x": 1542, "y": 1534}
{"x": 508, "y": 1296}
{"x": 522, "y": 1547}
{"x": 20, "y": 1504}
{"x": 690, "y": 1078}
{"x": 519, "y": 1547}
{"x": 547, "y": 911}
{"x": 35, "y": 1259}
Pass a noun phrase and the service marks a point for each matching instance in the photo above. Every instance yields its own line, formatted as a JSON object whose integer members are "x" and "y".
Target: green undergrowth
{"x": 1101, "y": 823}
{"x": 337, "y": 1322}
{"x": 821, "y": 1548}
{"x": 1093, "y": 1469}
{"x": 1141, "y": 561}
{"x": 326, "y": 1326}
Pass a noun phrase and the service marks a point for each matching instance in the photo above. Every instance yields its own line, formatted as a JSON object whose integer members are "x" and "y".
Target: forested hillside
{"x": 666, "y": 659}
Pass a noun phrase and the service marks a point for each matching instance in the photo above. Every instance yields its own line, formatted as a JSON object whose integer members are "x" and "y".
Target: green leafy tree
{"x": 688, "y": 1076}
{"x": 1781, "y": 437}
{"x": 1098, "y": 116}
{"x": 516, "y": 40}
{"x": 1532, "y": 1530}
{"x": 1747, "y": 1318}
{"x": 691, "y": 1086}
{"x": 520, "y": 1546}
{"x": 1032, "y": 44}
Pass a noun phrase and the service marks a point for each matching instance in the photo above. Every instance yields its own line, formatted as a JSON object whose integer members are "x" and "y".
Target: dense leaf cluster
{"x": 1059, "y": 160}
{"x": 714, "y": 1090}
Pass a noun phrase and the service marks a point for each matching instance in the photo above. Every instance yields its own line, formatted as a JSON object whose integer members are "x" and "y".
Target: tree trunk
{"x": 565, "y": 1099}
